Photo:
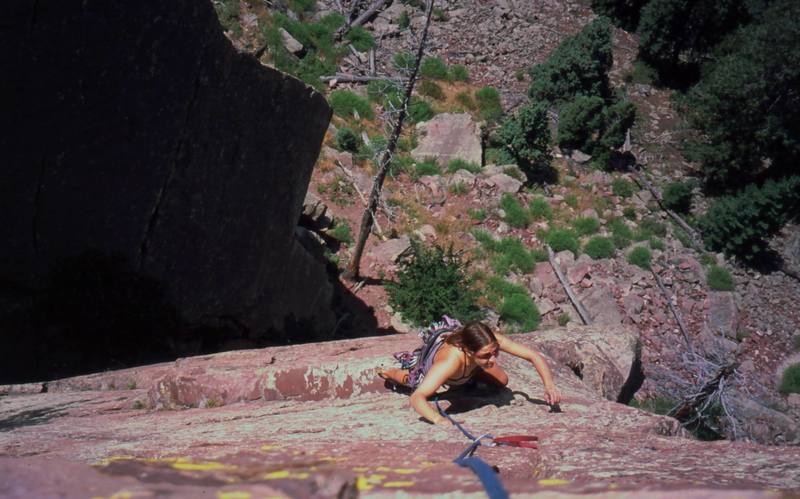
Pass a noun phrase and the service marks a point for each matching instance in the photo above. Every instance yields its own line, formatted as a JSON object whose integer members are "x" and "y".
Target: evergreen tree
{"x": 624, "y": 13}
{"x": 747, "y": 105}
{"x": 675, "y": 35}
{"x": 527, "y": 136}
{"x": 579, "y": 66}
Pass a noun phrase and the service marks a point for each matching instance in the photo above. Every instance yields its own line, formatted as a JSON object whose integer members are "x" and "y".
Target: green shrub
{"x": 657, "y": 244}
{"x": 580, "y": 122}
{"x": 578, "y": 66}
{"x": 527, "y": 136}
{"x": 629, "y": 212}
{"x": 622, "y": 188}
{"x": 341, "y": 232}
{"x": 677, "y": 196}
{"x": 520, "y": 309}
{"x": 488, "y": 100}
{"x": 539, "y": 254}
{"x": 512, "y": 256}
{"x": 311, "y": 67}
{"x": 515, "y": 304}
{"x": 563, "y": 319}
{"x": 401, "y": 163}
{"x": 460, "y": 164}
{"x": 790, "y": 381}
{"x": 466, "y": 100}
{"x": 719, "y": 279}
{"x": 640, "y": 256}
{"x": 641, "y": 234}
{"x": 479, "y": 214}
{"x": 360, "y": 38}
{"x": 599, "y": 247}
{"x": 738, "y": 225}
{"x": 586, "y": 226}
{"x": 499, "y": 156}
{"x": 432, "y": 282}
{"x": 344, "y": 102}
{"x": 426, "y": 167}
{"x": 433, "y": 67}
{"x": 540, "y": 209}
{"x": 654, "y": 227}
{"x": 621, "y": 234}
{"x": 708, "y": 259}
{"x": 403, "y": 20}
{"x": 459, "y": 73}
{"x": 562, "y": 239}
{"x": 439, "y": 14}
{"x": 302, "y": 6}
{"x": 347, "y": 140}
{"x": 516, "y": 215}
{"x": 419, "y": 110}
{"x": 431, "y": 89}
{"x": 571, "y": 200}
{"x": 403, "y": 61}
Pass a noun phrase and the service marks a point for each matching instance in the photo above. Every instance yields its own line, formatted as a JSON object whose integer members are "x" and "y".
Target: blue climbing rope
{"x": 485, "y": 473}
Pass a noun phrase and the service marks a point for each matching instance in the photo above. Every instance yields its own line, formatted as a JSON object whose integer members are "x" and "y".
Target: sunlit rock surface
{"x": 313, "y": 420}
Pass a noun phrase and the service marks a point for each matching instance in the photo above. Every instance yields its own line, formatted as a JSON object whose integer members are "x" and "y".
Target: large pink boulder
{"x": 447, "y": 137}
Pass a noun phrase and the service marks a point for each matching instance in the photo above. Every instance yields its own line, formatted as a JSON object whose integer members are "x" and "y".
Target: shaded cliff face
{"x": 152, "y": 180}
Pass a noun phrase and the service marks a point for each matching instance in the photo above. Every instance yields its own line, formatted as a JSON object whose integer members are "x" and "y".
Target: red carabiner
{"x": 528, "y": 441}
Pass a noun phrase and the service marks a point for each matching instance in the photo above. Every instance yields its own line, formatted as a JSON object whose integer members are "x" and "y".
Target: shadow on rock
{"x": 94, "y": 312}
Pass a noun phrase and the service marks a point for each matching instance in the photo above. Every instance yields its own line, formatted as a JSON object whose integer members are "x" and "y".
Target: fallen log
{"x": 697, "y": 242}
{"x": 674, "y": 311}
{"x": 565, "y": 283}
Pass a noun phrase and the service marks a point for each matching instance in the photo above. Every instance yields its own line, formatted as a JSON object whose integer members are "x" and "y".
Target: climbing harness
{"x": 486, "y": 473}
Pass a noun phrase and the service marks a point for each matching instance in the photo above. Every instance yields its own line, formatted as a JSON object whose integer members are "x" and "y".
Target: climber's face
{"x": 486, "y": 357}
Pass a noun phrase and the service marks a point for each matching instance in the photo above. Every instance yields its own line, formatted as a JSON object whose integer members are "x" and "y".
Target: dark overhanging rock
{"x": 154, "y": 176}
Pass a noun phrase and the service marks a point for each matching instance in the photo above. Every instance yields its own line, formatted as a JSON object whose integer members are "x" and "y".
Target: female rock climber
{"x": 469, "y": 352}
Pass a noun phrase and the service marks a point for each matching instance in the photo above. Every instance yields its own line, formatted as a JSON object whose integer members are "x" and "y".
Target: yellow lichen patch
{"x": 274, "y": 475}
{"x": 398, "y": 484}
{"x": 548, "y": 482}
{"x": 405, "y": 471}
{"x": 360, "y": 469}
{"x": 362, "y": 484}
{"x": 368, "y": 482}
{"x": 208, "y": 466}
{"x": 237, "y": 494}
{"x": 269, "y": 447}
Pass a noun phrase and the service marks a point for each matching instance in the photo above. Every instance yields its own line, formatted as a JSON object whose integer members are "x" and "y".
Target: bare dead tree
{"x": 367, "y": 219}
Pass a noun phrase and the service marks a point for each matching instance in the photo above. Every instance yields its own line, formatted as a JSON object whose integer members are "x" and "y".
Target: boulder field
{"x": 313, "y": 420}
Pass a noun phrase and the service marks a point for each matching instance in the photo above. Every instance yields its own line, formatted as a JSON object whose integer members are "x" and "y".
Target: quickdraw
{"x": 487, "y": 474}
